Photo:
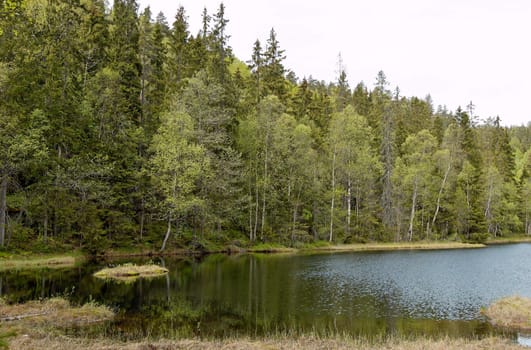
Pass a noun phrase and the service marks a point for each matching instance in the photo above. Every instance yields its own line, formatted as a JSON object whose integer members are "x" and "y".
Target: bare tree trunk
{"x": 250, "y": 211}
{"x": 45, "y": 224}
{"x": 357, "y": 205}
{"x": 295, "y": 210}
{"x": 488, "y": 214}
{"x": 387, "y": 159}
{"x": 3, "y": 209}
{"x": 333, "y": 194}
{"x": 349, "y": 204}
{"x": 256, "y": 204}
{"x": 527, "y": 223}
{"x": 168, "y": 232}
{"x": 142, "y": 219}
{"x": 438, "y": 205}
{"x": 262, "y": 224}
{"x": 314, "y": 221}
{"x": 412, "y": 217}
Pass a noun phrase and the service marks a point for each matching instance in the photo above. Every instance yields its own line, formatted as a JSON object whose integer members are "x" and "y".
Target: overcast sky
{"x": 455, "y": 50}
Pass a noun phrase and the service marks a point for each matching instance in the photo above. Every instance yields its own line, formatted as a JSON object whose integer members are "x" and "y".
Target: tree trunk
{"x": 333, "y": 195}
{"x": 295, "y": 210}
{"x": 358, "y": 206}
{"x": 488, "y": 214}
{"x": 387, "y": 159}
{"x": 438, "y": 205}
{"x": 168, "y": 232}
{"x": 349, "y": 204}
{"x": 314, "y": 221}
{"x": 256, "y": 202}
{"x": 250, "y": 211}
{"x": 142, "y": 219}
{"x": 3, "y": 209}
{"x": 412, "y": 217}
{"x": 45, "y": 224}
{"x": 264, "y": 196}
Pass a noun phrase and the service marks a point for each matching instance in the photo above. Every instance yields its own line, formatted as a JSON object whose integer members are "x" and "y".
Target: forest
{"x": 120, "y": 128}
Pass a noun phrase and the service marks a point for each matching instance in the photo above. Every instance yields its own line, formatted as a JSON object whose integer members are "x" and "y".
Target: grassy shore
{"x": 131, "y": 272}
{"x": 512, "y": 313}
{"x": 28, "y": 261}
{"x": 55, "y": 311}
{"x": 421, "y": 245}
{"x": 18, "y": 262}
{"x": 308, "y": 342}
{"x": 509, "y": 240}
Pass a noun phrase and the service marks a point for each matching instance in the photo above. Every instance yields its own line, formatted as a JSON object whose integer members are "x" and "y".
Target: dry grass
{"x": 130, "y": 272}
{"x": 310, "y": 343}
{"x": 511, "y": 313}
{"x": 55, "y": 312}
{"x": 19, "y": 263}
{"x": 398, "y": 246}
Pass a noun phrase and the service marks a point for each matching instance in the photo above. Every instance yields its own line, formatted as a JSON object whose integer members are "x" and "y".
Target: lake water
{"x": 433, "y": 293}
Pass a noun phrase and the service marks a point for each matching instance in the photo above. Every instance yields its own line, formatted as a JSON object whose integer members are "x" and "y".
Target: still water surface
{"x": 375, "y": 293}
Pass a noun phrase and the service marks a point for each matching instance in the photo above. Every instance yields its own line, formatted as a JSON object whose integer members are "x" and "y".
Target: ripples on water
{"x": 371, "y": 293}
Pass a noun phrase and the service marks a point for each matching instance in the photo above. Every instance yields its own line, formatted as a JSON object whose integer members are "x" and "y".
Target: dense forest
{"x": 118, "y": 129}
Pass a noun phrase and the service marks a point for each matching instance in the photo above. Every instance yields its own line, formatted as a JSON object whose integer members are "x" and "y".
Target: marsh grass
{"x": 270, "y": 248}
{"x": 512, "y": 313}
{"x": 281, "y": 342}
{"x": 421, "y": 245}
{"x": 55, "y": 311}
{"x": 51, "y": 262}
{"x": 131, "y": 272}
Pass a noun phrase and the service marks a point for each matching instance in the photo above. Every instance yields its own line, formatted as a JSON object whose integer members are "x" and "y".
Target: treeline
{"x": 117, "y": 129}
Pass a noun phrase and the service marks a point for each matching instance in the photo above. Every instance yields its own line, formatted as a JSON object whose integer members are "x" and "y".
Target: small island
{"x": 131, "y": 272}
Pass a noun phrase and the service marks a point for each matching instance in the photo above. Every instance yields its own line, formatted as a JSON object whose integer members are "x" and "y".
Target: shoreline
{"x": 65, "y": 260}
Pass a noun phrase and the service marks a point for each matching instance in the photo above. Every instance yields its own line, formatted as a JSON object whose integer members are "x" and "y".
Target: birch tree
{"x": 355, "y": 165}
{"x": 413, "y": 175}
{"x": 176, "y": 165}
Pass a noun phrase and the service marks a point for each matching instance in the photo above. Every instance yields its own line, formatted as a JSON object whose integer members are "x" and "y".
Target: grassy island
{"x": 130, "y": 272}
{"x": 512, "y": 313}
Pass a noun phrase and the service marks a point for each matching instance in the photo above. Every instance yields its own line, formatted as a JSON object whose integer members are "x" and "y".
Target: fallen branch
{"x": 19, "y": 317}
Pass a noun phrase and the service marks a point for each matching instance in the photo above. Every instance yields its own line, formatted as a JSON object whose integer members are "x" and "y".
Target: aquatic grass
{"x": 131, "y": 272}
{"x": 38, "y": 262}
{"x": 512, "y": 312}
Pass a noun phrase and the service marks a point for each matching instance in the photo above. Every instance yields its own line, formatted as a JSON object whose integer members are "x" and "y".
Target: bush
{"x": 477, "y": 238}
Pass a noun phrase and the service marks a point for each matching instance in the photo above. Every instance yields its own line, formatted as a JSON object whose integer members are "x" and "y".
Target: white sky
{"x": 456, "y": 50}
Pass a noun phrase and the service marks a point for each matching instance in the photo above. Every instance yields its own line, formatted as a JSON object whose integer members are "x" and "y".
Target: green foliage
{"x": 115, "y": 128}
{"x": 4, "y": 337}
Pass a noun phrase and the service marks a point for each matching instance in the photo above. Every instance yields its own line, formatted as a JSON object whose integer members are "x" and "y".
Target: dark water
{"x": 433, "y": 293}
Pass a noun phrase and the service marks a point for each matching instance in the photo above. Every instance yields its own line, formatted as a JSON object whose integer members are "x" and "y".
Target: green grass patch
{"x": 20, "y": 262}
{"x": 419, "y": 245}
{"x": 270, "y": 248}
{"x": 131, "y": 272}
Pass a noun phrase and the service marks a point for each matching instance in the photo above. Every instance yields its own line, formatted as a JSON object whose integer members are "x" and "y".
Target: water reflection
{"x": 371, "y": 294}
